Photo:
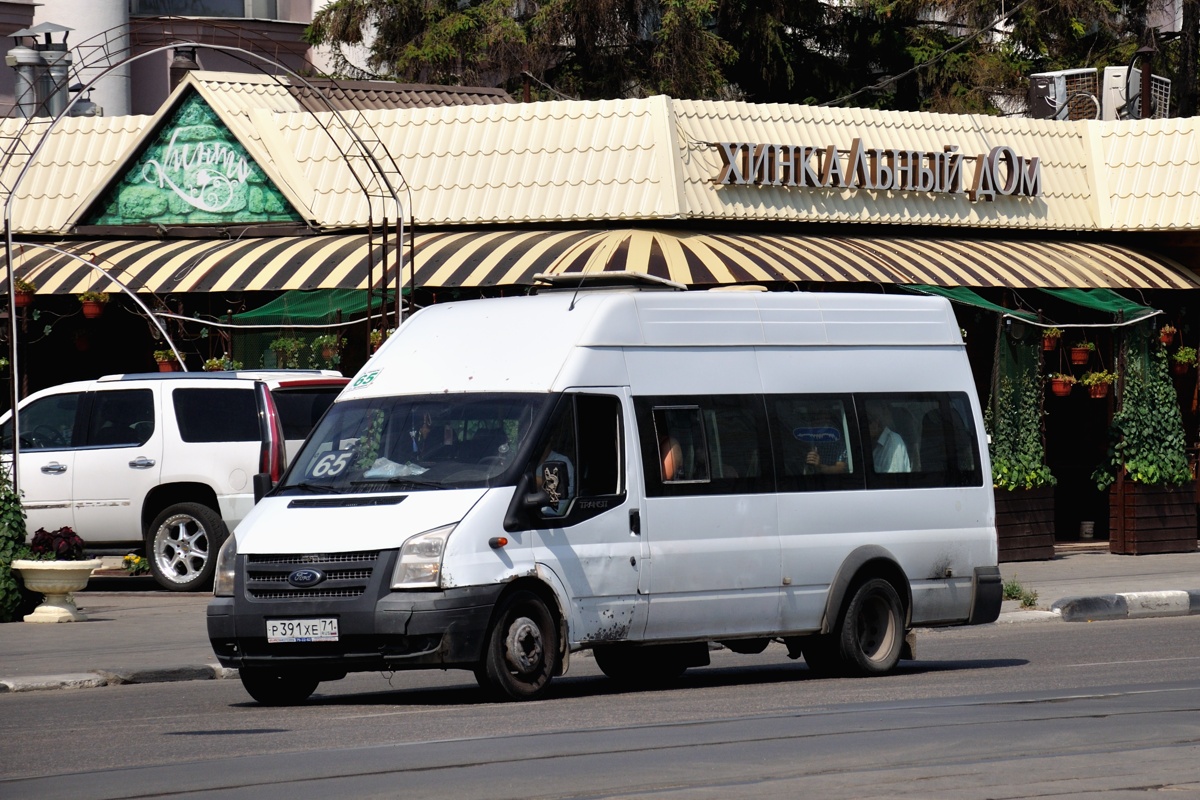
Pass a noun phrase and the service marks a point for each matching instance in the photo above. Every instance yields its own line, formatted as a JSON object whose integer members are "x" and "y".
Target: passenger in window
{"x": 671, "y": 458}
{"x": 889, "y": 452}
{"x": 827, "y": 455}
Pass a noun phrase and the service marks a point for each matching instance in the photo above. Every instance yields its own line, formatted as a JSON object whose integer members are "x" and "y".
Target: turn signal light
{"x": 497, "y": 542}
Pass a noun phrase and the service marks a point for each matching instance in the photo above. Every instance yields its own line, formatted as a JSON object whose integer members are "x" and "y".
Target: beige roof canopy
{"x": 508, "y": 257}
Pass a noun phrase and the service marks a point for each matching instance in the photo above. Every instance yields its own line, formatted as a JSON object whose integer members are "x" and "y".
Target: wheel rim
{"x": 524, "y": 647}
{"x": 181, "y": 548}
{"x": 876, "y": 627}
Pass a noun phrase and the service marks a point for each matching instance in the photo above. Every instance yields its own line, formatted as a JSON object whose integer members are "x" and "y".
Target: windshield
{"x": 427, "y": 442}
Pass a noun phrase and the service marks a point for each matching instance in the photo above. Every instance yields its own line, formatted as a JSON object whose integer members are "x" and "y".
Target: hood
{"x": 348, "y": 523}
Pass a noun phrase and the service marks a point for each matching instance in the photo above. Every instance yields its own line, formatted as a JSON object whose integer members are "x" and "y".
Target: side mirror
{"x": 262, "y": 485}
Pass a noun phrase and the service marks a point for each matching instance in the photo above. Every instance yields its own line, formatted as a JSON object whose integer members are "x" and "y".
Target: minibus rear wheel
{"x": 522, "y": 649}
{"x": 273, "y": 687}
{"x": 869, "y": 638}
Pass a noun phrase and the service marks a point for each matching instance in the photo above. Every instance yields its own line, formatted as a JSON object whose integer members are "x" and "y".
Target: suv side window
{"x": 48, "y": 423}
{"x": 216, "y": 415}
{"x": 121, "y": 418}
{"x": 300, "y": 409}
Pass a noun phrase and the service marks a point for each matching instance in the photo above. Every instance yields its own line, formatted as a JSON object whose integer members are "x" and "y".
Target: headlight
{"x": 420, "y": 564}
{"x": 226, "y": 568}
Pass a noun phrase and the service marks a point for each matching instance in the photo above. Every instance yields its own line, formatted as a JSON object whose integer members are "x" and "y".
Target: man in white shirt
{"x": 889, "y": 452}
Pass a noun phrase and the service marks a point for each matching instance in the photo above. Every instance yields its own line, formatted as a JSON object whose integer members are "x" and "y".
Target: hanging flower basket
{"x": 1180, "y": 368}
{"x": 1098, "y": 390}
{"x": 1182, "y": 360}
{"x": 92, "y": 309}
{"x": 1061, "y": 385}
{"x": 1050, "y": 337}
{"x": 22, "y": 299}
{"x": 1079, "y": 355}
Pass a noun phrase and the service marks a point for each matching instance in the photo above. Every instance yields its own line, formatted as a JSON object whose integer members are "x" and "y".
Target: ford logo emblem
{"x": 304, "y": 578}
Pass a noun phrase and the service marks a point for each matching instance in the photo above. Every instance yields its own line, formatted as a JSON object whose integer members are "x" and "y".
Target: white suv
{"x": 161, "y": 460}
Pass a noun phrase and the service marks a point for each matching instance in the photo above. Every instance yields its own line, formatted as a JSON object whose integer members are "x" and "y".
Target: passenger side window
{"x": 48, "y": 423}
{"x": 816, "y": 442}
{"x": 920, "y": 440}
{"x": 121, "y": 418}
{"x": 216, "y": 415}
{"x": 710, "y": 444}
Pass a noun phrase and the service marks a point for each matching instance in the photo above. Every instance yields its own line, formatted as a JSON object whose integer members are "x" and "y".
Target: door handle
{"x": 141, "y": 462}
{"x": 54, "y": 468}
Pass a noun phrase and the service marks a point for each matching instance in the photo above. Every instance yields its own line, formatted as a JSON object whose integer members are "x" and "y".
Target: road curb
{"x": 1128, "y": 605}
{"x": 92, "y": 680}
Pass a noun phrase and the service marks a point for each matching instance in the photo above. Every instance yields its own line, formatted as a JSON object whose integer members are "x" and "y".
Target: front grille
{"x": 347, "y": 575}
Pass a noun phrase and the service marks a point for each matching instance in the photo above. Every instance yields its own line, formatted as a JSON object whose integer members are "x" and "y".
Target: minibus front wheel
{"x": 522, "y": 653}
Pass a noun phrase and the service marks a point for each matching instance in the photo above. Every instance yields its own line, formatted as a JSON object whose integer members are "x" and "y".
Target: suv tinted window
{"x": 124, "y": 417}
{"x": 301, "y": 409}
{"x": 47, "y": 424}
{"x": 216, "y": 415}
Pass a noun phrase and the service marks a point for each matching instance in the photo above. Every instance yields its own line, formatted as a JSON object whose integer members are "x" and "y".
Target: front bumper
{"x": 378, "y": 630}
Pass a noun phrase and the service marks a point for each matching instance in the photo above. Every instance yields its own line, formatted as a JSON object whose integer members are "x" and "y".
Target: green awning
{"x": 1103, "y": 300}
{"x": 313, "y": 306}
{"x": 967, "y": 297}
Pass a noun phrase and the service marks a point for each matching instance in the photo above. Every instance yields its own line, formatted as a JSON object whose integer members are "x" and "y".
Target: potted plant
{"x": 23, "y": 292}
{"x": 1050, "y": 337}
{"x": 287, "y": 351}
{"x": 1097, "y": 382}
{"x": 1183, "y": 359}
{"x": 54, "y": 565}
{"x": 1022, "y": 481}
{"x": 1080, "y": 351}
{"x": 1061, "y": 383}
{"x": 1166, "y": 334}
{"x": 1152, "y": 505}
{"x": 225, "y": 362}
{"x": 329, "y": 346}
{"x": 166, "y": 361}
{"x": 93, "y": 303}
{"x": 135, "y": 564}
{"x": 376, "y": 338}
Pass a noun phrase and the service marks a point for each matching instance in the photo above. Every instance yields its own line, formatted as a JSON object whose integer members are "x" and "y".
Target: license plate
{"x": 324, "y": 629}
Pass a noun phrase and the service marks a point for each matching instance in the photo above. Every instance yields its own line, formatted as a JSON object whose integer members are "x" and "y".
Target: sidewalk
{"x": 136, "y": 634}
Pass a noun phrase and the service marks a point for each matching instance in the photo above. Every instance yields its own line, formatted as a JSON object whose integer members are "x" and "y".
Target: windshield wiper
{"x": 405, "y": 480}
{"x": 313, "y": 488}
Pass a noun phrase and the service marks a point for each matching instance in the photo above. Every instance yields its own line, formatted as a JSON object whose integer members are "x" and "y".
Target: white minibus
{"x": 632, "y": 471}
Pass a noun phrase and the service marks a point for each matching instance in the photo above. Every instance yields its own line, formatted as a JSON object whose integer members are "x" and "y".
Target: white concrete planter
{"x": 56, "y": 580}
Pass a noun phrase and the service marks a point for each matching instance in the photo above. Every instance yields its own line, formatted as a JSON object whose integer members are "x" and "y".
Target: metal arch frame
{"x": 238, "y": 53}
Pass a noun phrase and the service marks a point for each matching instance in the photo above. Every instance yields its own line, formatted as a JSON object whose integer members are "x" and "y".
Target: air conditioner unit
{"x": 1119, "y": 83}
{"x": 1064, "y": 94}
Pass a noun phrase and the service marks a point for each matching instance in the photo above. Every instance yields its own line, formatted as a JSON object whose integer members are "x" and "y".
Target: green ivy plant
{"x": 12, "y": 546}
{"x": 1014, "y": 420}
{"x": 1146, "y": 437}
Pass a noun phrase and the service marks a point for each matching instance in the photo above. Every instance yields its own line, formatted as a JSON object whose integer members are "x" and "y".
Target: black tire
{"x": 276, "y": 687}
{"x": 647, "y": 666}
{"x": 182, "y": 544}
{"x": 521, "y": 655}
{"x": 869, "y": 638}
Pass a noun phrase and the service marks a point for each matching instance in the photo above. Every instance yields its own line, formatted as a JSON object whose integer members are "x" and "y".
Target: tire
{"x": 182, "y": 544}
{"x": 276, "y": 687}
{"x": 868, "y": 640}
{"x": 521, "y": 655}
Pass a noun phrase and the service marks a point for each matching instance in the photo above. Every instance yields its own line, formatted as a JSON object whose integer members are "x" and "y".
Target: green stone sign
{"x": 195, "y": 172}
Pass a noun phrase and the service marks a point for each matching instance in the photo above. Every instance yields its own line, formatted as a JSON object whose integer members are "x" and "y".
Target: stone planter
{"x": 1025, "y": 524}
{"x": 1151, "y": 519}
{"x": 56, "y": 580}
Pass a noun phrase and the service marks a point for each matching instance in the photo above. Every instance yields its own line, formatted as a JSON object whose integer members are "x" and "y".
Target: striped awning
{"x": 506, "y": 258}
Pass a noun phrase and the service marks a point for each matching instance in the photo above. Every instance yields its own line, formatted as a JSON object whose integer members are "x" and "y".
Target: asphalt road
{"x": 1106, "y": 709}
